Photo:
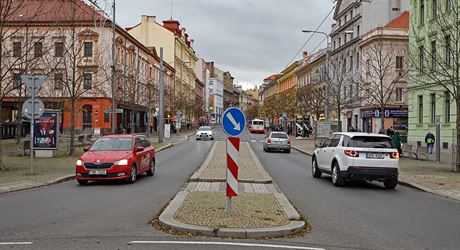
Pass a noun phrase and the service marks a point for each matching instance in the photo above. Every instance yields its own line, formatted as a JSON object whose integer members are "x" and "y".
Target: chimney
{"x": 305, "y": 54}
{"x": 171, "y": 25}
{"x": 146, "y": 19}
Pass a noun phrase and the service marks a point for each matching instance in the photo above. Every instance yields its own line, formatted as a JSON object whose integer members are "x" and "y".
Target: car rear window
{"x": 369, "y": 142}
{"x": 257, "y": 123}
{"x": 279, "y": 135}
{"x": 204, "y": 129}
{"x": 112, "y": 144}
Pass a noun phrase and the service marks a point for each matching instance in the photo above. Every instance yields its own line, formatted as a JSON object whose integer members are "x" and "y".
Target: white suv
{"x": 357, "y": 156}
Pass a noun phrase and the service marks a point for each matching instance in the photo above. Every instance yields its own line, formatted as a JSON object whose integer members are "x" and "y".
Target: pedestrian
{"x": 429, "y": 140}
{"x": 396, "y": 142}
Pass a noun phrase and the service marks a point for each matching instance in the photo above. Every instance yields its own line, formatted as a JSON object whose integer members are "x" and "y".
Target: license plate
{"x": 375, "y": 155}
{"x": 97, "y": 172}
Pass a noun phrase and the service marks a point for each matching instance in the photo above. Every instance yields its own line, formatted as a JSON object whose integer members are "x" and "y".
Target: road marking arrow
{"x": 236, "y": 125}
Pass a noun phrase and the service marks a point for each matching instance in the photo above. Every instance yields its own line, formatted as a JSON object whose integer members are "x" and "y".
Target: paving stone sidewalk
{"x": 426, "y": 175}
{"x": 214, "y": 169}
{"x": 259, "y": 210}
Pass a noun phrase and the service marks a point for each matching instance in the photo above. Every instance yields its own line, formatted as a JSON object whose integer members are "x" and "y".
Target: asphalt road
{"x": 362, "y": 215}
{"x": 113, "y": 215}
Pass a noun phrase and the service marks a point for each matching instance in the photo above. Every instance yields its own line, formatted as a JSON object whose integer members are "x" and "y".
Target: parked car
{"x": 277, "y": 141}
{"x": 357, "y": 156}
{"x": 204, "y": 132}
{"x": 116, "y": 157}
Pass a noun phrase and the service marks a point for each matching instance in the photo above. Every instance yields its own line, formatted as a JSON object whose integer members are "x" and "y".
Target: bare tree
{"x": 310, "y": 99}
{"x": 435, "y": 58}
{"x": 15, "y": 49}
{"x": 339, "y": 79}
{"x": 382, "y": 72}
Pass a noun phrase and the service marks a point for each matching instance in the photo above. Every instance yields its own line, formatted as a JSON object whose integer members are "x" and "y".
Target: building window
{"x": 421, "y": 55}
{"x": 422, "y": 12}
{"x": 399, "y": 94}
{"x": 433, "y": 108}
{"x": 58, "y": 49}
{"x": 448, "y": 51}
{"x": 88, "y": 49}
{"x": 38, "y": 49}
{"x": 433, "y": 55}
{"x": 357, "y": 31}
{"x": 340, "y": 41}
{"x": 87, "y": 80}
{"x": 447, "y": 106}
{"x": 17, "y": 49}
{"x": 58, "y": 80}
{"x": 434, "y": 8}
{"x": 399, "y": 62}
{"x": 351, "y": 14}
{"x": 17, "y": 82}
{"x": 357, "y": 60}
{"x": 335, "y": 45}
{"x": 106, "y": 117}
{"x": 351, "y": 63}
{"x": 420, "y": 109}
{"x": 448, "y": 5}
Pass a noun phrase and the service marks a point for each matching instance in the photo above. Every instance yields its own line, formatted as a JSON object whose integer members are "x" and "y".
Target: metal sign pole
{"x": 32, "y": 122}
{"x": 229, "y": 206}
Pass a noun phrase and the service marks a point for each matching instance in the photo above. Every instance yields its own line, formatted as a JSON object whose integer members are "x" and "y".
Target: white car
{"x": 203, "y": 133}
{"x": 277, "y": 141}
{"x": 357, "y": 156}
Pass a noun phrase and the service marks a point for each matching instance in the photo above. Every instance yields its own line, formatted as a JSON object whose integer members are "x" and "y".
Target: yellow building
{"x": 177, "y": 51}
{"x": 286, "y": 87}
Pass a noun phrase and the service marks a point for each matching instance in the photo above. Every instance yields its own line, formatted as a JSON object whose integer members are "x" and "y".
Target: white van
{"x": 257, "y": 126}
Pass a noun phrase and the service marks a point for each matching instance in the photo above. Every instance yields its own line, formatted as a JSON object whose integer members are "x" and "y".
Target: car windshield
{"x": 112, "y": 144}
{"x": 279, "y": 135}
{"x": 369, "y": 142}
{"x": 258, "y": 123}
{"x": 204, "y": 129}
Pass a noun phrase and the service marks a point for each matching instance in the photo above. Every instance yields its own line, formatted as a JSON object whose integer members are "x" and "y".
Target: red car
{"x": 116, "y": 157}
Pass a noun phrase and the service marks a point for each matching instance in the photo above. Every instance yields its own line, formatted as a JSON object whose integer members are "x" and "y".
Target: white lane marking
{"x": 253, "y": 141}
{"x": 224, "y": 244}
{"x": 16, "y": 243}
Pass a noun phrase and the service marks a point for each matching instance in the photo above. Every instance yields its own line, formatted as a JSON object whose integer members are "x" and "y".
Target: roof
{"x": 272, "y": 77}
{"x": 352, "y": 134}
{"x": 46, "y": 11}
{"x": 401, "y": 22}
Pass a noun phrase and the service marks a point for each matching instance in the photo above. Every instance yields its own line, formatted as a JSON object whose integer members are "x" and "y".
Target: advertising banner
{"x": 46, "y": 130}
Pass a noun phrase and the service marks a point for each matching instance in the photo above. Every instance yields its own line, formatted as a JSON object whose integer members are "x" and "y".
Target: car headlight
{"x": 121, "y": 162}
{"x": 79, "y": 163}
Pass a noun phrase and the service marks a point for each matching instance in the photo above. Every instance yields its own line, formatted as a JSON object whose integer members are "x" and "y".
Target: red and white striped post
{"x": 233, "y": 151}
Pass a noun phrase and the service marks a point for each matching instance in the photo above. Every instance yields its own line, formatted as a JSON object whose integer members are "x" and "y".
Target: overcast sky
{"x": 250, "y": 38}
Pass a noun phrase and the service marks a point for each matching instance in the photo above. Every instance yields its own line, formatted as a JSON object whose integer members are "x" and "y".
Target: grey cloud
{"x": 252, "y": 39}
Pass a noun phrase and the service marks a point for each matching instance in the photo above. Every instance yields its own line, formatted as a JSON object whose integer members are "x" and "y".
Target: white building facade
{"x": 216, "y": 92}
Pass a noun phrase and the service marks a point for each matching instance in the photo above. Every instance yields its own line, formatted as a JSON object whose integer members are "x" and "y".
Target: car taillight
{"x": 269, "y": 140}
{"x": 289, "y": 141}
{"x": 351, "y": 153}
{"x": 394, "y": 155}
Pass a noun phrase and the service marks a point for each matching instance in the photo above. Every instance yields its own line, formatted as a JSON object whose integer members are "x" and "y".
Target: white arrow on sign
{"x": 236, "y": 125}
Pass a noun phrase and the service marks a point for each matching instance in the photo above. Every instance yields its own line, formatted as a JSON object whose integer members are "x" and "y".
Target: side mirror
{"x": 319, "y": 144}
{"x": 85, "y": 149}
{"x": 139, "y": 149}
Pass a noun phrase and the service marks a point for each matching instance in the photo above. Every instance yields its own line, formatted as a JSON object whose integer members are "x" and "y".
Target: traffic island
{"x": 259, "y": 211}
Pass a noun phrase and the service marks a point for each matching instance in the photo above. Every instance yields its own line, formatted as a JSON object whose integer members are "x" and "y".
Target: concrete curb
{"x": 169, "y": 145}
{"x": 196, "y": 176}
{"x": 302, "y": 151}
{"x": 5, "y": 189}
{"x": 166, "y": 219}
{"x": 444, "y": 194}
{"x": 259, "y": 165}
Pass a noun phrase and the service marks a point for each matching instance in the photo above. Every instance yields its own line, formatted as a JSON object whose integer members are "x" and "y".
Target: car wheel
{"x": 265, "y": 150}
{"x": 288, "y": 151}
{"x": 82, "y": 182}
{"x": 133, "y": 174}
{"x": 390, "y": 184}
{"x": 337, "y": 179}
{"x": 314, "y": 169}
{"x": 151, "y": 171}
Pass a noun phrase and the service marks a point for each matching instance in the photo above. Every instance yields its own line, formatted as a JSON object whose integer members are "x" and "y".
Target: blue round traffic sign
{"x": 233, "y": 121}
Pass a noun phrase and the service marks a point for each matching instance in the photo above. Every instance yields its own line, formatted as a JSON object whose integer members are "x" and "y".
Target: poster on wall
{"x": 167, "y": 130}
{"x": 46, "y": 130}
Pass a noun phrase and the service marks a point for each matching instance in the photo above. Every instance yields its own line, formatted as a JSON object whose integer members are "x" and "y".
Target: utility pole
{"x": 161, "y": 116}
{"x": 113, "y": 69}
